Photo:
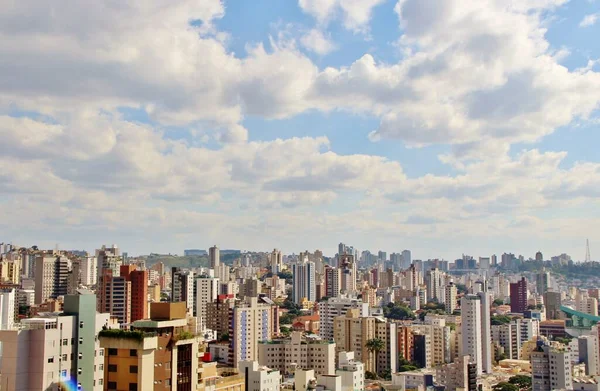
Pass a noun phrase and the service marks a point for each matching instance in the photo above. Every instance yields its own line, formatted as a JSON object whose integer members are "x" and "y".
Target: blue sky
{"x": 446, "y": 128}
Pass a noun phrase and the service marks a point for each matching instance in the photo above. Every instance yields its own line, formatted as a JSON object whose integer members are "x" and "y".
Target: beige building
{"x": 300, "y": 352}
{"x": 455, "y": 375}
{"x": 352, "y": 332}
{"x": 251, "y": 322}
{"x": 438, "y": 340}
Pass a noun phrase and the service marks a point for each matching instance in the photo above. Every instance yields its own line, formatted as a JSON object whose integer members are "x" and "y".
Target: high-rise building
{"x": 332, "y": 281}
{"x": 347, "y": 266}
{"x": 52, "y": 349}
{"x": 518, "y": 296}
{"x": 108, "y": 258}
{"x": 159, "y": 353}
{"x": 207, "y": 291}
{"x": 450, "y": 298}
{"x": 51, "y": 276}
{"x": 276, "y": 261}
{"x": 334, "y": 307}
{"x": 542, "y": 282}
{"x": 8, "y": 308}
{"x": 539, "y": 257}
{"x": 551, "y": 368}
{"x": 476, "y": 330}
{"x": 552, "y": 302}
{"x": 115, "y": 296}
{"x": 182, "y": 287}
{"x": 89, "y": 267}
{"x": 214, "y": 257}
{"x": 300, "y": 352}
{"x": 406, "y": 259}
{"x": 382, "y": 256}
{"x": 435, "y": 282}
{"x": 139, "y": 291}
{"x": 251, "y": 322}
{"x": 352, "y": 333}
{"x": 304, "y": 283}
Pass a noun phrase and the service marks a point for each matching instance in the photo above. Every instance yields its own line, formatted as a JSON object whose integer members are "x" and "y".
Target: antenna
{"x": 588, "y": 258}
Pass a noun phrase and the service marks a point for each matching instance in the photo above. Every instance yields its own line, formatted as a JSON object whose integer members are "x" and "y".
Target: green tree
{"x": 374, "y": 346}
{"x": 500, "y": 320}
{"x": 522, "y": 381}
{"x": 405, "y": 366}
{"x": 398, "y": 311}
{"x": 370, "y": 375}
{"x": 498, "y": 302}
{"x": 505, "y": 386}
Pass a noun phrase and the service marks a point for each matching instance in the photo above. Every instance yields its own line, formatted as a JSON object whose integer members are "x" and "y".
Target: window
{"x": 65, "y": 342}
{"x": 133, "y": 387}
{"x": 112, "y": 385}
{"x": 101, "y": 367}
{"x": 132, "y": 352}
{"x": 133, "y": 369}
{"x": 65, "y": 357}
{"x": 50, "y": 359}
{"x": 112, "y": 368}
{"x": 112, "y": 352}
{"x": 63, "y": 373}
{"x": 81, "y": 324}
{"x": 168, "y": 382}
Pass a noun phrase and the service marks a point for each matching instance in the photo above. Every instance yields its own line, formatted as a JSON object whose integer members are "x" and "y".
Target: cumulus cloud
{"x": 69, "y": 159}
{"x": 317, "y": 42}
{"x": 355, "y": 14}
{"x": 589, "y": 20}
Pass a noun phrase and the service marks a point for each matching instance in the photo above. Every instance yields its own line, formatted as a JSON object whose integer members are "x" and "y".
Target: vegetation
{"x": 505, "y": 386}
{"x": 224, "y": 337}
{"x": 286, "y": 275}
{"x": 375, "y": 345}
{"x": 522, "y": 381}
{"x": 124, "y": 334}
{"x": 563, "y": 340}
{"x": 385, "y": 374}
{"x": 500, "y": 320}
{"x": 285, "y": 330}
{"x": 287, "y": 318}
{"x": 370, "y": 375}
{"x": 184, "y": 335}
{"x": 398, "y": 312}
{"x": 461, "y": 288}
{"x": 405, "y": 366}
{"x": 324, "y": 298}
{"x": 498, "y": 302}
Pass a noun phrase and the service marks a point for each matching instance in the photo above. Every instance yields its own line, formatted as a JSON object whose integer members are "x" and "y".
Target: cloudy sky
{"x": 444, "y": 127}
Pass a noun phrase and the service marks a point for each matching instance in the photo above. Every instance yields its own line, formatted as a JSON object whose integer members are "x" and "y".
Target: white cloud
{"x": 316, "y": 41}
{"x": 589, "y": 20}
{"x": 78, "y": 165}
{"x": 355, "y": 14}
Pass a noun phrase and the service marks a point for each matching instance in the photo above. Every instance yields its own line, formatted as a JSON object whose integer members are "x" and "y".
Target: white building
{"x": 334, "y": 307}
{"x": 259, "y": 378}
{"x": 8, "y": 308}
{"x": 44, "y": 351}
{"x": 551, "y": 369}
{"x": 207, "y": 290}
{"x": 304, "y": 284}
{"x": 351, "y": 371}
{"x": 298, "y": 352}
{"x": 88, "y": 270}
{"x": 476, "y": 330}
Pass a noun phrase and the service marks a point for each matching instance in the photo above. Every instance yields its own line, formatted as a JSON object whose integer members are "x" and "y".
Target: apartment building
{"x": 259, "y": 377}
{"x": 298, "y": 351}
{"x": 251, "y": 322}
{"x": 334, "y": 307}
{"x": 352, "y": 333}
{"x": 158, "y": 354}
{"x": 551, "y": 368}
{"x": 47, "y": 350}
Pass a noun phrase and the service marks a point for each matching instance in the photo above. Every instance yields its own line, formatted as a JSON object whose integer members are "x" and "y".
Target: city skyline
{"x": 386, "y": 124}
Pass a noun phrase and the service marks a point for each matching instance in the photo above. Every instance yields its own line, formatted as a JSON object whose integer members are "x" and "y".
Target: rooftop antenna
{"x": 588, "y": 258}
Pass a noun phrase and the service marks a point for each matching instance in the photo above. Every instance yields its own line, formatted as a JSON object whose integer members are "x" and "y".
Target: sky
{"x": 444, "y": 127}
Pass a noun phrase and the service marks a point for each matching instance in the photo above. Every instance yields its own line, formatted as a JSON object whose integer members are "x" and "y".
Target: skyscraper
{"x": 450, "y": 299}
{"x": 542, "y": 282}
{"x": 304, "y": 283}
{"x": 139, "y": 291}
{"x": 406, "y": 259}
{"x": 347, "y": 266}
{"x": 332, "y": 281}
{"x": 207, "y": 291}
{"x": 276, "y": 261}
{"x": 182, "y": 287}
{"x": 214, "y": 256}
{"x": 518, "y": 296}
{"x": 476, "y": 330}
